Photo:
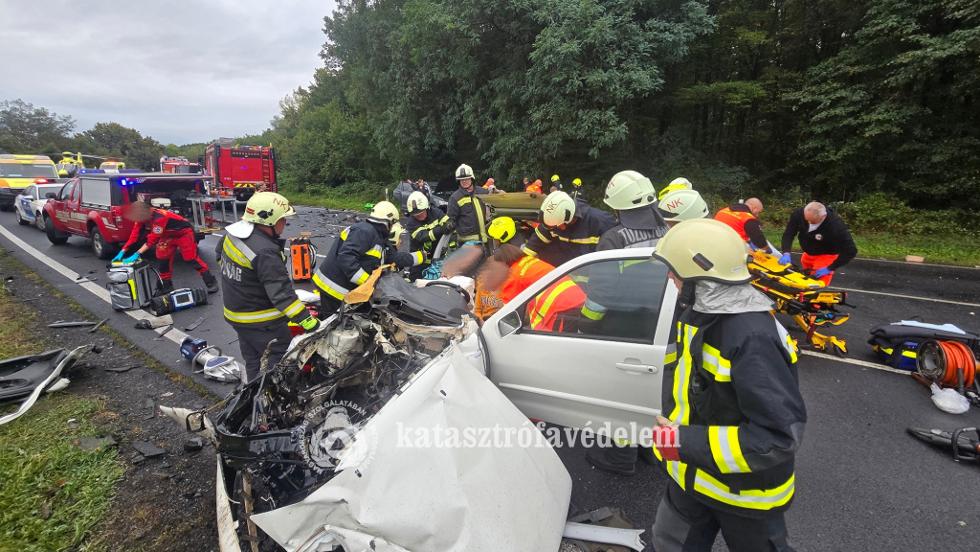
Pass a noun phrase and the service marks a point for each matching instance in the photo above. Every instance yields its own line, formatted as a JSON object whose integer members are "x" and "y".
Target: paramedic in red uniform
{"x": 168, "y": 233}
{"x": 824, "y": 238}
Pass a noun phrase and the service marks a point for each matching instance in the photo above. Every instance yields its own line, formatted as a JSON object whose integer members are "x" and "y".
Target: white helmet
{"x": 267, "y": 208}
{"x": 680, "y": 205}
{"x": 676, "y": 184}
{"x": 463, "y": 172}
{"x": 629, "y": 190}
{"x": 704, "y": 249}
{"x": 384, "y": 212}
{"x": 558, "y": 208}
{"x": 160, "y": 203}
{"x": 417, "y": 202}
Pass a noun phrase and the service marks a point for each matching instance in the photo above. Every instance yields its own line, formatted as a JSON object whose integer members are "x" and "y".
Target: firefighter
{"x": 426, "y": 224}
{"x": 358, "y": 251}
{"x": 735, "y": 416}
{"x": 824, "y": 238}
{"x": 576, "y": 188}
{"x": 682, "y": 204}
{"x": 744, "y": 219}
{"x": 679, "y": 183}
{"x": 556, "y": 184}
{"x": 259, "y": 299}
{"x": 166, "y": 232}
{"x": 632, "y": 197}
{"x": 568, "y": 229}
{"x": 466, "y": 209}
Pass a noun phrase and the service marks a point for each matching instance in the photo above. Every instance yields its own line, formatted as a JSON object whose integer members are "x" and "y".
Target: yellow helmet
{"x": 577, "y": 182}
{"x": 554, "y": 178}
{"x": 676, "y": 184}
{"x": 384, "y": 212}
{"x": 502, "y": 229}
{"x": 267, "y": 208}
{"x": 704, "y": 249}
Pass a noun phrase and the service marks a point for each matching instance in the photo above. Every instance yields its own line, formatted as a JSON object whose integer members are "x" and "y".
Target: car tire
{"x": 54, "y": 236}
{"x": 20, "y": 218}
{"x": 39, "y": 221}
{"x": 100, "y": 246}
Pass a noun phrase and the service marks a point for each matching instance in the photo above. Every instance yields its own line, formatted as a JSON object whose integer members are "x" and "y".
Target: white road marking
{"x": 174, "y": 334}
{"x": 947, "y": 301}
{"x": 855, "y": 361}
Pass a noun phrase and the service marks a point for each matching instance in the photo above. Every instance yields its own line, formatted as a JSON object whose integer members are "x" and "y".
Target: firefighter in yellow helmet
{"x": 358, "y": 250}
{"x": 734, "y": 413}
{"x": 259, "y": 298}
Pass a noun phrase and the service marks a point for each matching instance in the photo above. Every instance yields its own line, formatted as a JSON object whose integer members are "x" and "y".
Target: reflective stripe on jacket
{"x": 556, "y": 246}
{"x": 521, "y": 275}
{"x": 256, "y": 288}
{"x": 468, "y": 214}
{"x": 358, "y": 250}
{"x": 425, "y": 233}
{"x": 734, "y": 392}
{"x": 562, "y": 296}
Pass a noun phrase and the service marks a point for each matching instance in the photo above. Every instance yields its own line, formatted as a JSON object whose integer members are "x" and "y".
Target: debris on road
{"x": 96, "y": 327}
{"x": 194, "y": 325}
{"x": 74, "y": 324}
{"x": 118, "y": 369}
{"x": 193, "y": 444}
{"x": 148, "y": 449}
{"x": 25, "y": 378}
{"x": 154, "y": 322}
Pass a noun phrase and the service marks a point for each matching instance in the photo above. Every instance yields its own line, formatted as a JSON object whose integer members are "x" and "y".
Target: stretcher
{"x": 807, "y": 300}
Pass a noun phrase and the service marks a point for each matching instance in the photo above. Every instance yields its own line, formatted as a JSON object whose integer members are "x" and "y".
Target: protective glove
{"x": 119, "y": 256}
{"x": 404, "y": 260}
{"x": 821, "y": 272}
{"x": 666, "y": 437}
{"x": 134, "y": 258}
{"x": 786, "y": 259}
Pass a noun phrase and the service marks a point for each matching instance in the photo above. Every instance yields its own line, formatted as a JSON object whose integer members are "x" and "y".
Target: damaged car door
{"x": 585, "y": 345}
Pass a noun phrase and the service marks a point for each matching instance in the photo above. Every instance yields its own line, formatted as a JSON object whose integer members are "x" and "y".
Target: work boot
{"x": 166, "y": 286}
{"x": 210, "y": 282}
{"x": 608, "y": 460}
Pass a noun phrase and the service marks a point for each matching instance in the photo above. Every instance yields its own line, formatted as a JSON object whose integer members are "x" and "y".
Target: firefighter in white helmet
{"x": 259, "y": 298}
{"x": 466, "y": 210}
{"x": 567, "y": 229}
{"x": 426, "y": 224}
{"x": 733, "y": 414}
{"x": 360, "y": 248}
{"x": 682, "y": 204}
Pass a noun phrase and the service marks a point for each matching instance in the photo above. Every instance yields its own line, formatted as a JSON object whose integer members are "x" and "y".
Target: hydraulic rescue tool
{"x": 807, "y": 300}
{"x": 964, "y": 443}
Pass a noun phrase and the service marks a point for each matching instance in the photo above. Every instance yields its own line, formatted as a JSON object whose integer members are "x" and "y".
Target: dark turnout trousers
{"x": 685, "y": 525}
{"x": 254, "y": 341}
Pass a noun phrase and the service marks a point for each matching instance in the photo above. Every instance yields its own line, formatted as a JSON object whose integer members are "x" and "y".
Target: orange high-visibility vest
{"x": 521, "y": 275}
{"x": 562, "y": 296}
{"x": 735, "y": 219}
{"x": 534, "y": 187}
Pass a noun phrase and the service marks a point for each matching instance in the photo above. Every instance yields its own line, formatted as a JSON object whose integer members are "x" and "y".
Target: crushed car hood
{"x": 399, "y": 497}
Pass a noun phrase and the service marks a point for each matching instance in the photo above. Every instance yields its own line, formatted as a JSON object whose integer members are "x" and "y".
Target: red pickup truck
{"x": 91, "y": 205}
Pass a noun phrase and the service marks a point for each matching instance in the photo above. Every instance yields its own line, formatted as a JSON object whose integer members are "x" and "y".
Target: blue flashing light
{"x": 91, "y": 171}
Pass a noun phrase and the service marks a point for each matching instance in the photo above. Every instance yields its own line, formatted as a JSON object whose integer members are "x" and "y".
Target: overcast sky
{"x": 179, "y": 71}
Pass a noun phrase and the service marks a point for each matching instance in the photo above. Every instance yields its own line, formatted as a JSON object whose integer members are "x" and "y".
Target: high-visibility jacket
{"x": 468, "y": 214}
{"x": 734, "y": 393}
{"x": 556, "y": 246}
{"x": 534, "y": 187}
{"x": 358, "y": 251}
{"x": 162, "y": 224}
{"x": 560, "y": 297}
{"x": 521, "y": 275}
{"x": 745, "y": 223}
{"x": 256, "y": 288}
{"x": 425, "y": 234}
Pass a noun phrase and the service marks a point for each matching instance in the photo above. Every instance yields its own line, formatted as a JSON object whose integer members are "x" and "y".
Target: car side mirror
{"x": 509, "y": 324}
{"x": 51, "y": 195}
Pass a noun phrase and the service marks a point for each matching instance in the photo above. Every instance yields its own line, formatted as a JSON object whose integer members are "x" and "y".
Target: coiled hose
{"x": 948, "y": 363}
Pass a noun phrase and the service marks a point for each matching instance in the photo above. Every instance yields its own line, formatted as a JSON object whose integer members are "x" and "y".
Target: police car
{"x": 29, "y": 204}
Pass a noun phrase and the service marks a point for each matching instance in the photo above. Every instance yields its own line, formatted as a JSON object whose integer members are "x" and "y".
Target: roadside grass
{"x": 953, "y": 249}
{"x": 52, "y": 493}
{"x": 349, "y": 197}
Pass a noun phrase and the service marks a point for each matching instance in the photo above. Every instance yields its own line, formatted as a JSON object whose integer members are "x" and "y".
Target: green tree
{"x": 115, "y": 140}
{"x": 27, "y": 129}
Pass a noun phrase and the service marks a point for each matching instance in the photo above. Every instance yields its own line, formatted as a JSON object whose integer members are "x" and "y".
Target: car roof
{"x": 143, "y": 176}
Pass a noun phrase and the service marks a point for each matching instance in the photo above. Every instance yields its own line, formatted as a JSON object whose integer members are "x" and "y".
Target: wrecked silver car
{"x": 311, "y": 454}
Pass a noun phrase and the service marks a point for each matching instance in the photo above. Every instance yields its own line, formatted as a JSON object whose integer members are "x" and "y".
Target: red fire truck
{"x": 178, "y": 165}
{"x": 241, "y": 170}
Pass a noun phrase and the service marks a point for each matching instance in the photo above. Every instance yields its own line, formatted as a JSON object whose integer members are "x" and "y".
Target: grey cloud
{"x": 179, "y": 71}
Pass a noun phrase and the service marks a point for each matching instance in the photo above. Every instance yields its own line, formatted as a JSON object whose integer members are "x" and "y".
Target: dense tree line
{"x": 834, "y": 98}
{"x": 25, "y": 128}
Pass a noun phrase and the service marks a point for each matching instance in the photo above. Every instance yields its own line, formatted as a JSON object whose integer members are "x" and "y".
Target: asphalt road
{"x": 862, "y": 483}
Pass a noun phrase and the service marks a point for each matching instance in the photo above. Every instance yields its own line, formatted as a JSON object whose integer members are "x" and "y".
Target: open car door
{"x": 601, "y": 367}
